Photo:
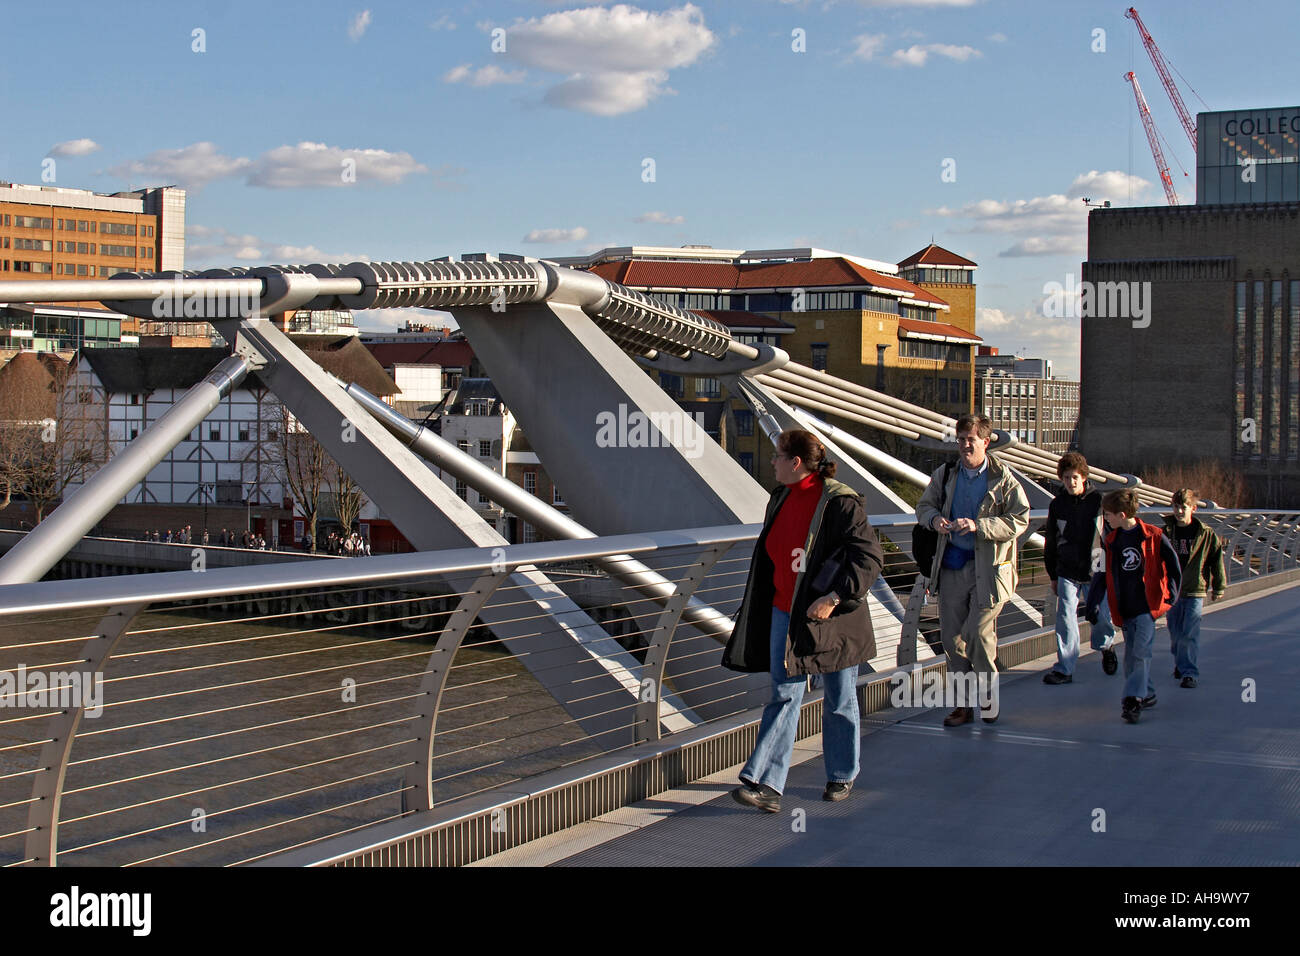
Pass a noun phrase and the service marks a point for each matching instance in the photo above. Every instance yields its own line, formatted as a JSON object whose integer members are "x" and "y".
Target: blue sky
{"x": 540, "y": 147}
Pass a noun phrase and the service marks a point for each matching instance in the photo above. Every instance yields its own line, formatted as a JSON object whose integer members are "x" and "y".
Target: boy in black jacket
{"x": 1072, "y": 536}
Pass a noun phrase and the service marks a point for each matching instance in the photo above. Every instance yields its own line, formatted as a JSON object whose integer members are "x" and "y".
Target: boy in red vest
{"x": 1140, "y": 584}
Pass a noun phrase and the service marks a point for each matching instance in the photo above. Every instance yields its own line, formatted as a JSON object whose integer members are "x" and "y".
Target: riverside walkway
{"x": 1205, "y": 779}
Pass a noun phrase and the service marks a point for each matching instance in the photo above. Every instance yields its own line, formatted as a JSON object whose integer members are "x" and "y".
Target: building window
{"x": 556, "y": 497}
{"x": 117, "y": 229}
{"x": 243, "y": 433}
{"x": 214, "y": 433}
{"x": 530, "y": 533}
{"x": 744, "y": 422}
{"x": 484, "y": 449}
{"x": 746, "y": 459}
{"x": 671, "y": 384}
{"x": 462, "y": 491}
{"x": 530, "y": 482}
{"x": 707, "y": 388}
{"x": 819, "y": 350}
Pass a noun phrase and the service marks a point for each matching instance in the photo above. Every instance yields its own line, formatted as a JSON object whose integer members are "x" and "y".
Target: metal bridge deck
{"x": 1205, "y": 779}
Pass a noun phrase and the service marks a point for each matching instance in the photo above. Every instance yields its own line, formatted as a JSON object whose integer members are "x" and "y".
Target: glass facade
{"x": 1248, "y": 156}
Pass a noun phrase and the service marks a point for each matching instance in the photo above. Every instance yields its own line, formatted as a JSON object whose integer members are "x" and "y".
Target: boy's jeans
{"x": 1068, "y": 595}
{"x": 1139, "y": 638}
{"x": 1184, "y": 621}
{"x": 770, "y": 762}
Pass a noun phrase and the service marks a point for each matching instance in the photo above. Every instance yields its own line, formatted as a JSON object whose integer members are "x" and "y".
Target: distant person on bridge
{"x": 1200, "y": 555}
{"x": 974, "y": 571}
{"x": 805, "y": 612}
{"x": 1141, "y": 582}
{"x": 1071, "y": 538}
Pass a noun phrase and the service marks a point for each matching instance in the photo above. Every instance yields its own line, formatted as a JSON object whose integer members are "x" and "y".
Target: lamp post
{"x": 248, "y": 506}
{"x": 205, "y": 489}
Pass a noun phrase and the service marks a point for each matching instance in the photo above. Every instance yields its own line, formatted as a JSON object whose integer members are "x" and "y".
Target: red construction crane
{"x": 1153, "y": 139}
{"x": 1162, "y": 68}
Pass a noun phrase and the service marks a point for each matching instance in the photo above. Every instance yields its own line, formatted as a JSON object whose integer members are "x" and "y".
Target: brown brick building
{"x": 1213, "y": 369}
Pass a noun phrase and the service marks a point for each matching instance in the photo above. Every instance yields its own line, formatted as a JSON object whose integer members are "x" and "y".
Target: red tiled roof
{"x": 936, "y": 328}
{"x": 737, "y": 319}
{"x": 446, "y": 354}
{"x": 832, "y": 272}
{"x": 641, "y": 274}
{"x": 933, "y": 255}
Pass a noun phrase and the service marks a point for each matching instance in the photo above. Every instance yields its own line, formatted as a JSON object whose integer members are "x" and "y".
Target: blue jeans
{"x": 1185, "y": 634}
{"x": 1139, "y": 638}
{"x": 770, "y": 762}
{"x": 1068, "y": 595}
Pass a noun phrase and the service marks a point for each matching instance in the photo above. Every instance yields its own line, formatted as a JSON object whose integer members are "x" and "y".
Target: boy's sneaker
{"x": 1109, "y": 661}
{"x": 837, "y": 790}
{"x": 1148, "y": 701}
{"x": 1131, "y": 710}
{"x": 761, "y": 796}
{"x": 1056, "y": 677}
{"x": 1188, "y": 681}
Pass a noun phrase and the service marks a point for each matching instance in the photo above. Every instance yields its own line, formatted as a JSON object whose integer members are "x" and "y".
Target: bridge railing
{"x": 223, "y": 716}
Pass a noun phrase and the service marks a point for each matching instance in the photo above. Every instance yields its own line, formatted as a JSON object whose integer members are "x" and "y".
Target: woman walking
{"x": 805, "y": 612}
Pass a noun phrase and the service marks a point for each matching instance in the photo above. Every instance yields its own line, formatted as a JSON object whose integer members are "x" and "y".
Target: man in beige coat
{"x": 985, "y": 510}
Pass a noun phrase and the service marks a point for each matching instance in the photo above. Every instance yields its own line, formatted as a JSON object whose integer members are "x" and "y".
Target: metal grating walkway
{"x": 1204, "y": 779}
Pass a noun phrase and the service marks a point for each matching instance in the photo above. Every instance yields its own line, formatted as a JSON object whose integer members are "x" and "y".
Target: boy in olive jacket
{"x": 1200, "y": 554}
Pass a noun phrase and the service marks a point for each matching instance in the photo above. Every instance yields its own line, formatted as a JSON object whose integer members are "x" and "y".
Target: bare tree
{"x": 302, "y": 465}
{"x": 48, "y": 436}
{"x": 349, "y": 499}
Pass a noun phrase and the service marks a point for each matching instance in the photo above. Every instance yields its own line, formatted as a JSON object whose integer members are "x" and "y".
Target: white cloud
{"x": 1030, "y": 333}
{"x": 867, "y": 45}
{"x": 1108, "y": 185}
{"x": 489, "y": 75}
{"x": 1046, "y": 246}
{"x": 285, "y": 167}
{"x": 444, "y": 22}
{"x": 997, "y": 37}
{"x": 917, "y": 55}
{"x": 606, "y": 94}
{"x": 73, "y": 147}
{"x": 193, "y": 166}
{"x": 660, "y": 217}
{"x": 216, "y": 247}
{"x": 357, "y": 27}
{"x": 556, "y": 235}
{"x": 615, "y": 60}
{"x": 315, "y": 164}
{"x": 1056, "y": 224}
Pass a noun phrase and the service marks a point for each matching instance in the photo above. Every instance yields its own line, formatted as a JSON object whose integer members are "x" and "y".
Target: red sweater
{"x": 788, "y": 536}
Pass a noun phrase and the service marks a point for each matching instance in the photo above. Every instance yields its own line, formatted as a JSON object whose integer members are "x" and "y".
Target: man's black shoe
{"x": 1132, "y": 709}
{"x": 1109, "y": 661}
{"x": 1148, "y": 702}
{"x": 1056, "y": 677}
{"x": 1188, "y": 681}
{"x": 837, "y": 790}
{"x": 762, "y": 796}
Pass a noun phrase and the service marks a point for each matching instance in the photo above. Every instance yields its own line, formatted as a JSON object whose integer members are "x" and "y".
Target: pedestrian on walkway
{"x": 805, "y": 612}
{"x": 974, "y": 570}
{"x": 1200, "y": 555}
{"x": 1071, "y": 539}
{"x": 1141, "y": 582}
